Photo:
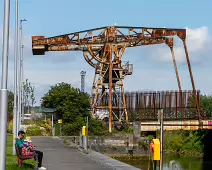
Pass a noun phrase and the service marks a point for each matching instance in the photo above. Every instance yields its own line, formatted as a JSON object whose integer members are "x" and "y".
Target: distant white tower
{"x": 83, "y": 73}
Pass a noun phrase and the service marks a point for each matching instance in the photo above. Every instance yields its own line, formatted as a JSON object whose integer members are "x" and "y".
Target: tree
{"x": 10, "y": 103}
{"x": 71, "y": 106}
{"x": 29, "y": 97}
{"x": 205, "y": 105}
{"x": 68, "y": 101}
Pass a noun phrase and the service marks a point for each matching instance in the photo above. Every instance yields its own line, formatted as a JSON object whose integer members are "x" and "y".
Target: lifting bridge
{"x": 103, "y": 48}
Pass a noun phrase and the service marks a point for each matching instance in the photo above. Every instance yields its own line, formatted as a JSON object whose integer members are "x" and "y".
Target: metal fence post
{"x": 161, "y": 139}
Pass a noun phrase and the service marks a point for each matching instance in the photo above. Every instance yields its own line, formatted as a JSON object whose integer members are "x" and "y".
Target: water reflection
{"x": 186, "y": 162}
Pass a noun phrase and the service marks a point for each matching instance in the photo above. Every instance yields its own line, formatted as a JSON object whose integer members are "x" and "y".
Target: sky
{"x": 152, "y": 66}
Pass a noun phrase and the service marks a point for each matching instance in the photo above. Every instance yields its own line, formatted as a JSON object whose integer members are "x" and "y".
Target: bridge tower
{"x": 108, "y": 86}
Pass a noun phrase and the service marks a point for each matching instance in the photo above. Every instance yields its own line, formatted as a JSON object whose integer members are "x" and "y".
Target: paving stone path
{"x": 59, "y": 157}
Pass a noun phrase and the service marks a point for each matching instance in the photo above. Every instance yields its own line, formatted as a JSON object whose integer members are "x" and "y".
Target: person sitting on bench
{"x": 28, "y": 151}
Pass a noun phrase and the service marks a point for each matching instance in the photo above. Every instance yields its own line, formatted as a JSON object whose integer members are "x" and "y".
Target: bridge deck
{"x": 177, "y": 125}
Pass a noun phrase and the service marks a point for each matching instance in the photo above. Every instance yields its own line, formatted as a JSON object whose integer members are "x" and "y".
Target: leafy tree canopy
{"x": 206, "y": 105}
{"x": 68, "y": 101}
{"x": 72, "y": 106}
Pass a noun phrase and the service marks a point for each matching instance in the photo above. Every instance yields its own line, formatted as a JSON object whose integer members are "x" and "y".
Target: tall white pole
{"x": 21, "y": 73}
{"x": 3, "y": 91}
{"x": 22, "y": 82}
{"x": 19, "y": 81}
{"x": 15, "y": 115}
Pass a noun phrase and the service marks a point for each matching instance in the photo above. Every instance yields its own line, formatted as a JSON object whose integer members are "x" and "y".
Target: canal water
{"x": 186, "y": 162}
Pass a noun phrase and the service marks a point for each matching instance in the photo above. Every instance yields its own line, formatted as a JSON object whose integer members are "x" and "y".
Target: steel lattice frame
{"x": 103, "y": 49}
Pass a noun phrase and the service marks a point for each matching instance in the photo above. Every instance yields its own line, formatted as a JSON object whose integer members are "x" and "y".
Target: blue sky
{"x": 153, "y": 68}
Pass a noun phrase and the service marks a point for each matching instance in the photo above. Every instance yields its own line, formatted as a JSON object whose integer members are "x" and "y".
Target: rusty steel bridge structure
{"x": 103, "y": 48}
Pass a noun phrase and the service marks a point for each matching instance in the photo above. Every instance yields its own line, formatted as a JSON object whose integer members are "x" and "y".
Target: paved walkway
{"x": 59, "y": 157}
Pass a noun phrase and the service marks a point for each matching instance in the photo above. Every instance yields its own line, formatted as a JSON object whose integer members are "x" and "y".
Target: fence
{"x": 145, "y": 105}
{"x": 175, "y": 105}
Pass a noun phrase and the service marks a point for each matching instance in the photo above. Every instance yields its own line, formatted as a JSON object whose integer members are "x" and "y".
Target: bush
{"x": 47, "y": 125}
{"x": 57, "y": 129}
{"x": 73, "y": 129}
{"x": 10, "y": 127}
{"x": 145, "y": 143}
{"x": 128, "y": 129}
{"x": 95, "y": 127}
{"x": 183, "y": 141}
{"x": 33, "y": 131}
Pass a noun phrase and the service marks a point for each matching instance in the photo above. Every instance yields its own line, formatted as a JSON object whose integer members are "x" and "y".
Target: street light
{"x": 3, "y": 91}
{"x": 15, "y": 114}
{"x": 21, "y": 77}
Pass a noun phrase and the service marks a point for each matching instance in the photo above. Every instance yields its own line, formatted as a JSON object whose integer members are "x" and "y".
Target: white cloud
{"x": 198, "y": 43}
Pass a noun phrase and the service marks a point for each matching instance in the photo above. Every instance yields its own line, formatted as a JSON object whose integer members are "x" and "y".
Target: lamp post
{"x": 3, "y": 91}
{"x": 21, "y": 77}
{"x": 15, "y": 114}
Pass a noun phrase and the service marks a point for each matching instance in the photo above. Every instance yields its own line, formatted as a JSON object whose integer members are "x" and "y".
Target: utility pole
{"x": 21, "y": 75}
{"x": 4, "y": 91}
{"x": 15, "y": 115}
{"x": 87, "y": 132}
{"x": 83, "y": 73}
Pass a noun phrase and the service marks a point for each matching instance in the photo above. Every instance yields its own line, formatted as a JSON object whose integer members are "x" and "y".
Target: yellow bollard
{"x": 84, "y": 131}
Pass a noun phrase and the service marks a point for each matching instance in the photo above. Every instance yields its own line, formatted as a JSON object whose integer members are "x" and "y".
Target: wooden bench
{"x": 20, "y": 157}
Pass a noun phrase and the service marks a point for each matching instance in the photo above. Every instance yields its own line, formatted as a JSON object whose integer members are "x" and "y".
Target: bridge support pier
{"x": 207, "y": 153}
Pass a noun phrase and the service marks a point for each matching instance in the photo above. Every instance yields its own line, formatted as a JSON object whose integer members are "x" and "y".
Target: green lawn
{"x": 12, "y": 162}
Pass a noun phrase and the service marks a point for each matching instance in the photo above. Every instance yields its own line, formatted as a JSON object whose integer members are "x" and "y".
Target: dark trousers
{"x": 40, "y": 158}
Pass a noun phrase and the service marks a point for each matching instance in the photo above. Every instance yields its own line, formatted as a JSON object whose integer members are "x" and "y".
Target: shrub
{"x": 33, "y": 131}
{"x": 95, "y": 127}
{"x": 57, "y": 129}
{"x": 10, "y": 127}
{"x": 145, "y": 143}
{"x": 183, "y": 141}
{"x": 47, "y": 125}
{"x": 72, "y": 129}
{"x": 128, "y": 129}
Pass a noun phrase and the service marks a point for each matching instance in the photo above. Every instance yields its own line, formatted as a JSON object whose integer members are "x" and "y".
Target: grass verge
{"x": 12, "y": 161}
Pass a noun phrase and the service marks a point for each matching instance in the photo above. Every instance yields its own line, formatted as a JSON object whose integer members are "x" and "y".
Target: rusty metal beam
{"x": 41, "y": 49}
{"x": 192, "y": 78}
{"x": 171, "y": 45}
{"x": 119, "y": 34}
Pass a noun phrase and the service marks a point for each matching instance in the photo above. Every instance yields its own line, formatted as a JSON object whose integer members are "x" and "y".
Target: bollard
{"x": 85, "y": 142}
{"x": 84, "y": 137}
